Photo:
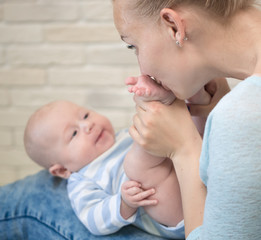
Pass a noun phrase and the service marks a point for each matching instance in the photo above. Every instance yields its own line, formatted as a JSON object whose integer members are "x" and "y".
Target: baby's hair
{"x": 32, "y": 140}
{"x": 221, "y": 8}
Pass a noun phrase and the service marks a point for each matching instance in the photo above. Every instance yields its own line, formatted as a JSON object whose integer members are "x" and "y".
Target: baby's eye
{"x": 74, "y": 134}
{"x": 86, "y": 116}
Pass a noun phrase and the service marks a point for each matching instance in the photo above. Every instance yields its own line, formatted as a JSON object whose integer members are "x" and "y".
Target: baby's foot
{"x": 148, "y": 90}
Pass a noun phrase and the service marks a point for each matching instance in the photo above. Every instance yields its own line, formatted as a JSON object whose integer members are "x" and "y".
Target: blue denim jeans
{"x": 38, "y": 207}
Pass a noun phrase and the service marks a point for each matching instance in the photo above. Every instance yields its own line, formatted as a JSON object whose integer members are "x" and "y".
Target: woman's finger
{"x": 136, "y": 135}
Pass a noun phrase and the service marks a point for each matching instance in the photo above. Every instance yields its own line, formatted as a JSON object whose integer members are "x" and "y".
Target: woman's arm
{"x": 193, "y": 191}
{"x": 170, "y": 132}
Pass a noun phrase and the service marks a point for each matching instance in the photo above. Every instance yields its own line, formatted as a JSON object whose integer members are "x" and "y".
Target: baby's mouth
{"x": 99, "y": 136}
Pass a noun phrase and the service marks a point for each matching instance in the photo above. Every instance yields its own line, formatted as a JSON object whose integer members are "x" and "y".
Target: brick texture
{"x": 20, "y": 34}
{"x": 58, "y": 49}
{"x": 44, "y": 12}
{"x": 2, "y": 56}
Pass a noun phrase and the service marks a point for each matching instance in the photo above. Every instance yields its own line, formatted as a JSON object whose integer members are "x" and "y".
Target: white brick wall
{"x": 57, "y": 49}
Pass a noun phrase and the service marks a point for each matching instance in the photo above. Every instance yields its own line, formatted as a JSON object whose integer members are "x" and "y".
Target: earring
{"x": 178, "y": 43}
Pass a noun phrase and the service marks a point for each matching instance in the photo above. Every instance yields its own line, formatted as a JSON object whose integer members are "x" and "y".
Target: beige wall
{"x": 57, "y": 49}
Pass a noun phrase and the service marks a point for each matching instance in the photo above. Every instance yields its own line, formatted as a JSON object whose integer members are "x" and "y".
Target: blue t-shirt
{"x": 230, "y": 166}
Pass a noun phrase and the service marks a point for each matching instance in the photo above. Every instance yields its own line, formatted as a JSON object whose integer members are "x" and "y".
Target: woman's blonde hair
{"x": 221, "y": 8}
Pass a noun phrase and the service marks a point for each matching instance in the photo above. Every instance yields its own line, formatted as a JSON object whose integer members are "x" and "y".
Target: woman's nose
{"x": 87, "y": 126}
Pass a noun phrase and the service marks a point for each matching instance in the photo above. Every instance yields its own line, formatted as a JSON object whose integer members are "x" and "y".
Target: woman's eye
{"x": 86, "y": 116}
{"x": 74, "y": 133}
{"x": 131, "y": 47}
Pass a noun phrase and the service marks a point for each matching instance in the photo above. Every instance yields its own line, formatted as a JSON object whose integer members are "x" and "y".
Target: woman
{"x": 184, "y": 44}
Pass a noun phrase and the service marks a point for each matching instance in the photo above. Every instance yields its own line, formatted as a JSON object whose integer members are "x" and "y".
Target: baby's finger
{"x": 133, "y": 191}
{"x": 129, "y": 184}
{"x": 144, "y": 194}
{"x": 146, "y": 202}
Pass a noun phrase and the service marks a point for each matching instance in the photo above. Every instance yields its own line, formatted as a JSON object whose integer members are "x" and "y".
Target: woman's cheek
{"x": 146, "y": 65}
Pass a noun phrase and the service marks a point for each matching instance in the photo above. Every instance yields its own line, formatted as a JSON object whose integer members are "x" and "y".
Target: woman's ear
{"x": 59, "y": 171}
{"x": 174, "y": 24}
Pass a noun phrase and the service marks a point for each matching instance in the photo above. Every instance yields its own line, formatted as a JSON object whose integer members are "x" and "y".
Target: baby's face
{"x": 79, "y": 134}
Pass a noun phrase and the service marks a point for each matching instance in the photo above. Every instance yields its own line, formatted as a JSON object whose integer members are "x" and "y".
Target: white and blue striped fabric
{"x": 95, "y": 195}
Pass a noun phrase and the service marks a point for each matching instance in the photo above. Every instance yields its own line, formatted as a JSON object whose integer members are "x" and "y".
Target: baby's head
{"x": 64, "y": 137}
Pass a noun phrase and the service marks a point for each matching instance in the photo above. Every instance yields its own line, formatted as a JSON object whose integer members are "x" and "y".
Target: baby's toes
{"x": 148, "y": 92}
{"x": 139, "y": 92}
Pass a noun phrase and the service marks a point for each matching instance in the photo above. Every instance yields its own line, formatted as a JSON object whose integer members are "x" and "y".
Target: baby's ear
{"x": 59, "y": 171}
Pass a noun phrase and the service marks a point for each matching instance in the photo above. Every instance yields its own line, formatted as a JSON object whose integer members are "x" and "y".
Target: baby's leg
{"x": 201, "y": 97}
{"x": 149, "y": 90}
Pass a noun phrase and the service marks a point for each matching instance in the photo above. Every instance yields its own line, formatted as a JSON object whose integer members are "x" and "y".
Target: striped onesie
{"x": 95, "y": 195}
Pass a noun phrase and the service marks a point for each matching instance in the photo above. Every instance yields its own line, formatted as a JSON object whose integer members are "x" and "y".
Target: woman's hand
{"x": 165, "y": 130}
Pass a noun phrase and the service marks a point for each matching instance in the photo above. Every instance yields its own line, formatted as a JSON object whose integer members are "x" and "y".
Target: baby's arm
{"x": 98, "y": 210}
{"x": 149, "y": 90}
{"x": 133, "y": 196}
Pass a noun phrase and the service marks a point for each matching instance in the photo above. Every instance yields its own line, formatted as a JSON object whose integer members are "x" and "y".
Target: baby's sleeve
{"x": 98, "y": 210}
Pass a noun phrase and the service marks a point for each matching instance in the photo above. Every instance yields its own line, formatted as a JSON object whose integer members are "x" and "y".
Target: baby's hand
{"x": 134, "y": 196}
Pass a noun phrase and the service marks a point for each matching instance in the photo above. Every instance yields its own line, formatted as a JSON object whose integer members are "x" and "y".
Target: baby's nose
{"x": 87, "y": 126}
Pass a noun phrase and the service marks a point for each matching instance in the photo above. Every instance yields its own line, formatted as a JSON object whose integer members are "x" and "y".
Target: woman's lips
{"x": 159, "y": 82}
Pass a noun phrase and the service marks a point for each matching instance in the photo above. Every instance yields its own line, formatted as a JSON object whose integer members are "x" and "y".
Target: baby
{"x": 77, "y": 143}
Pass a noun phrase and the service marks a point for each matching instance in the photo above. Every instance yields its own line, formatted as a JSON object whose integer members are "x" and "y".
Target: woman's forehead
{"x": 123, "y": 10}
{"x": 125, "y": 18}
